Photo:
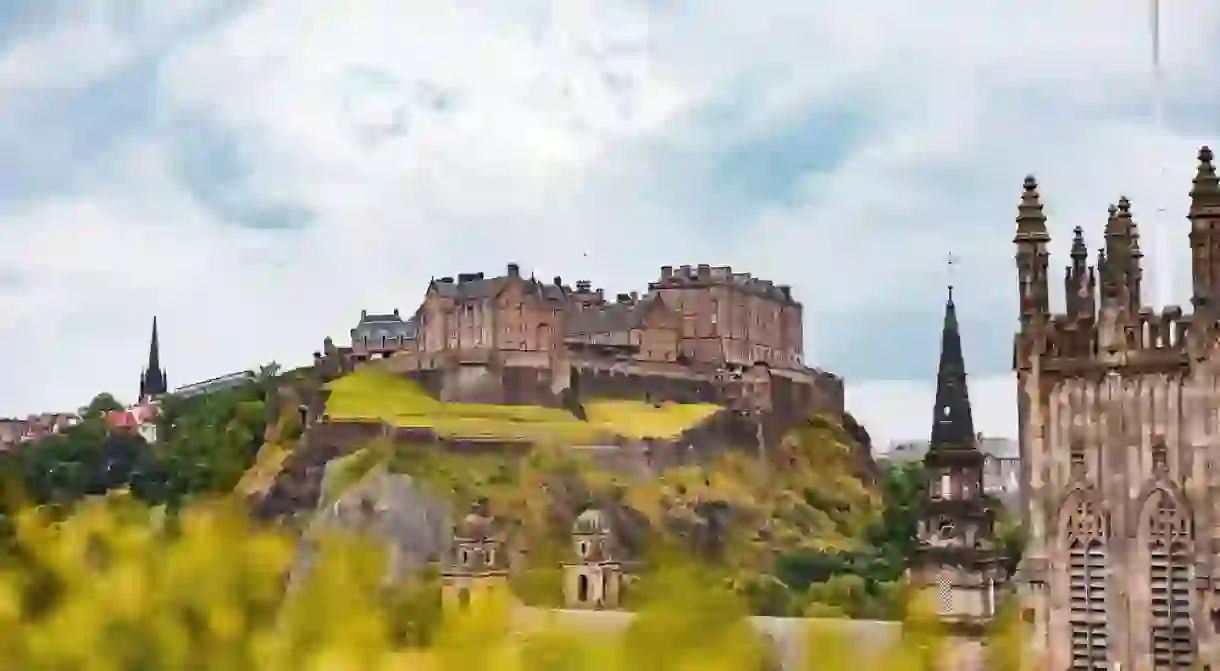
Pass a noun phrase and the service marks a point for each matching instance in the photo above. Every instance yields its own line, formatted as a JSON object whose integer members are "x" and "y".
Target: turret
{"x": 1032, "y": 255}
{"x": 1079, "y": 283}
{"x": 1135, "y": 271}
{"x": 1204, "y": 219}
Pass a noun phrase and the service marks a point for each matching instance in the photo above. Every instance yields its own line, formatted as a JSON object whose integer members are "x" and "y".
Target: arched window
{"x": 582, "y": 588}
{"x": 1169, "y": 565}
{"x": 1088, "y": 577}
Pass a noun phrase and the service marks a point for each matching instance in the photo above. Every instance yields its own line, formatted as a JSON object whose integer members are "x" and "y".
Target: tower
{"x": 1033, "y": 256}
{"x": 476, "y": 567}
{"x": 593, "y": 580}
{"x": 1204, "y": 216}
{"x": 1119, "y": 447}
{"x": 956, "y": 555}
{"x": 153, "y": 380}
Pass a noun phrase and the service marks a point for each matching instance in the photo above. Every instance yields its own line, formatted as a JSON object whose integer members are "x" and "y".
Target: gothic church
{"x": 1120, "y": 447}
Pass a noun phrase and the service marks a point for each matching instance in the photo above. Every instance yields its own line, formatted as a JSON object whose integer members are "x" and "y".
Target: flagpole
{"x": 1165, "y": 270}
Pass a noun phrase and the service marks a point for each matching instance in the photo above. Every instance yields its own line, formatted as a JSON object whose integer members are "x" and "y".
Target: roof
{"x": 591, "y": 521}
{"x": 473, "y": 286}
{"x": 609, "y": 318}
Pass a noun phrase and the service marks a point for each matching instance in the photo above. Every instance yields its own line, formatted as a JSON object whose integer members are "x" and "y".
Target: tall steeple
{"x": 953, "y": 424}
{"x": 956, "y": 559}
{"x": 153, "y": 380}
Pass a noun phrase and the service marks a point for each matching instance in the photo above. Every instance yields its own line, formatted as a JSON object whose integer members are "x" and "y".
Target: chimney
{"x": 395, "y": 312}
{"x": 624, "y": 298}
{"x": 514, "y": 270}
{"x": 705, "y": 271}
{"x": 685, "y": 271}
{"x": 364, "y": 314}
{"x": 317, "y": 356}
{"x": 635, "y": 296}
{"x": 478, "y": 275}
{"x": 601, "y": 294}
{"x": 786, "y": 291}
{"x": 583, "y": 286}
{"x": 667, "y": 272}
{"x": 558, "y": 281}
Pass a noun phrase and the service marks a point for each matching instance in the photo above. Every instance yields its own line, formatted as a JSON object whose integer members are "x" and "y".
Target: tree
{"x": 101, "y": 404}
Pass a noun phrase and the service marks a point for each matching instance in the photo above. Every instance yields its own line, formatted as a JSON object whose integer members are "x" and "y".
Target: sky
{"x": 256, "y": 173}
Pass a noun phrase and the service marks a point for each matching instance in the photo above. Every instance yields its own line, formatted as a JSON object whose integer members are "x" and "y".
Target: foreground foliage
{"x": 115, "y": 587}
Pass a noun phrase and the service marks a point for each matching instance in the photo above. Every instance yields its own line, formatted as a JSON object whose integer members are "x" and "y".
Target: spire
{"x": 952, "y": 425}
{"x": 1080, "y": 253}
{"x": 153, "y": 380}
{"x": 1031, "y": 222}
{"x": 1206, "y": 191}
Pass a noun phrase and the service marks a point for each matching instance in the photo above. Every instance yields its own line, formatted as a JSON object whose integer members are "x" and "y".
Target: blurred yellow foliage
{"x": 109, "y": 590}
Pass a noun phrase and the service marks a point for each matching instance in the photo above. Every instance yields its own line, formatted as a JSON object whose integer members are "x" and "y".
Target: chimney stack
{"x": 514, "y": 270}
{"x": 558, "y": 281}
{"x": 364, "y": 314}
{"x": 624, "y": 298}
{"x": 667, "y": 272}
{"x": 395, "y": 312}
{"x": 635, "y": 296}
{"x": 705, "y": 271}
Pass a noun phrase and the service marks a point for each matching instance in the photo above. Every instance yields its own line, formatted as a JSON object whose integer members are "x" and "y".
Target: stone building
{"x": 1120, "y": 447}
{"x": 476, "y": 566}
{"x": 593, "y": 579}
{"x": 956, "y": 557}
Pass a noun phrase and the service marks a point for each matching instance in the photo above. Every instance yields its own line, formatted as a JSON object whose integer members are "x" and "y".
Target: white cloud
{"x": 426, "y": 139}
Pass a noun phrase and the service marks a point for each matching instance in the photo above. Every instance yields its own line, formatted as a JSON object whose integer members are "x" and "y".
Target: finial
{"x": 950, "y": 259}
{"x": 1079, "y": 251}
{"x": 1112, "y": 210}
{"x": 1124, "y": 205}
{"x": 1031, "y": 222}
{"x": 1031, "y": 183}
{"x": 1205, "y": 154}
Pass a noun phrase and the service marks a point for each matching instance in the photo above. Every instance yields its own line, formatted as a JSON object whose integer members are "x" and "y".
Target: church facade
{"x": 1120, "y": 447}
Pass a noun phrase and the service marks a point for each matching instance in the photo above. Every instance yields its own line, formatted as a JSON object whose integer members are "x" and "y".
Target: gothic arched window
{"x": 1169, "y": 537}
{"x": 1088, "y": 569}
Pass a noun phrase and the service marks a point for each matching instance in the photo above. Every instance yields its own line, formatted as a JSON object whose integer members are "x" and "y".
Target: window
{"x": 1169, "y": 562}
{"x": 946, "y": 486}
{"x": 582, "y": 588}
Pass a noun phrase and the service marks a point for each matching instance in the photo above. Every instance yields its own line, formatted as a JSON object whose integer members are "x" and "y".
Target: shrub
{"x": 110, "y": 588}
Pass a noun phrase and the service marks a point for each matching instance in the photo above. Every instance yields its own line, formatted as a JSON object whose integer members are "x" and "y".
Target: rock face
{"x": 391, "y": 510}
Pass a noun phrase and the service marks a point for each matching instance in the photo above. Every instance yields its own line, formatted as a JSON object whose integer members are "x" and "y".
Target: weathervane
{"x": 950, "y": 259}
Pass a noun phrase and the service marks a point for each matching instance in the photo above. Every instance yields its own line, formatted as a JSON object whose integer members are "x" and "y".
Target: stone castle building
{"x": 1120, "y": 447}
{"x": 698, "y": 334}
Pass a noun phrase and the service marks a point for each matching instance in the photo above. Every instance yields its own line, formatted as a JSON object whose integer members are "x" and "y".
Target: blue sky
{"x": 255, "y": 173}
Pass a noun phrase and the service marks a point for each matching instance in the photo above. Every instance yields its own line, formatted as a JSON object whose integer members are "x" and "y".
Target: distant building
{"x": 153, "y": 379}
{"x": 138, "y": 419}
{"x": 216, "y": 384}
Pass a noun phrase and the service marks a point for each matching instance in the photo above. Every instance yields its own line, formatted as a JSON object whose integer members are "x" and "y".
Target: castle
{"x": 698, "y": 334}
{"x": 1120, "y": 447}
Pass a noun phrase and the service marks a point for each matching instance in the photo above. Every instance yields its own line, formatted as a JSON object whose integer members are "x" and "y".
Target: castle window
{"x": 491, "y": 556}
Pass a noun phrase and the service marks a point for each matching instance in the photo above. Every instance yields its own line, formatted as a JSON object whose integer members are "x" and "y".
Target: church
{"x": 1120, "y": 447}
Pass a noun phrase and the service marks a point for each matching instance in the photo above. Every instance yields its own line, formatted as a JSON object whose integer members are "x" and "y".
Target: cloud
{"x": 256, "y": 173}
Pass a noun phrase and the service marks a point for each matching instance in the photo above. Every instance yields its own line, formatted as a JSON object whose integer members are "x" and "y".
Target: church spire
{"x": 953, "y": 425}
{"x": 153, "y": 380}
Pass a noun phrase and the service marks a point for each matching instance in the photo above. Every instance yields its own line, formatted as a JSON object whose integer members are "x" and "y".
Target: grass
{"x": 637, "y": 419}
{"x": 370, "y": 394}
{"x": 267, "y": 466}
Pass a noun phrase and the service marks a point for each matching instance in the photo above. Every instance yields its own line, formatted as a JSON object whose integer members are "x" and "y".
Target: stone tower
{"x": 477, "y": 563}
{"x": 594, "y": 579}
{"x": 1120, "y": 448}
{"x": 956, "y": 556}
{"x": 153, "y": 380}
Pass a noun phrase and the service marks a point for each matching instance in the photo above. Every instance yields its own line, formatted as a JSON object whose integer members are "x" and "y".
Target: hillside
{"x": 370, "y": 394}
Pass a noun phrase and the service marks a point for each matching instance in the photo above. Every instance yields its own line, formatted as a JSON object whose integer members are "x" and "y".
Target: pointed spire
{"x": 153, "y": 380}
{"x": 1031, "y": 222}
{"x": 953, "y": 424}
{"x": 1080, "y": 253}
{"x": 1133, "y": 230}
{"x": 1206, "y": 190}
